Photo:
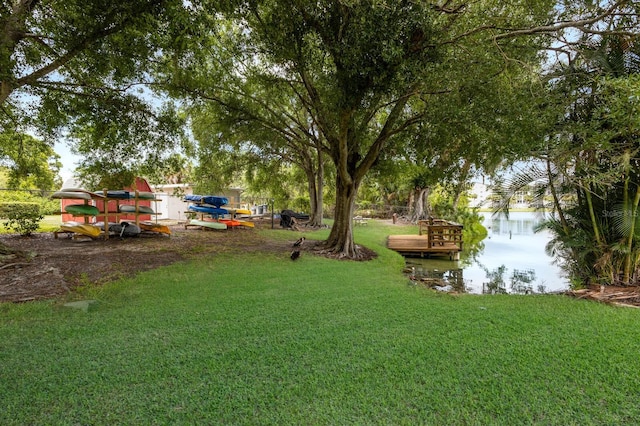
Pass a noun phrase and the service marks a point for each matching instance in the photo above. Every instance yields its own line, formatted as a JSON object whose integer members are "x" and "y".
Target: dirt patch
{"x": 50, "y": 267}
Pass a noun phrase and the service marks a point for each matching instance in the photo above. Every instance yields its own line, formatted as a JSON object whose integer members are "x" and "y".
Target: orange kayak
{"x": 155, "y": 227}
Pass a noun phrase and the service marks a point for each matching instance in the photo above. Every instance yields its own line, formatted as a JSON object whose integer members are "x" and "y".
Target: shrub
{"x": 21, "y": 217}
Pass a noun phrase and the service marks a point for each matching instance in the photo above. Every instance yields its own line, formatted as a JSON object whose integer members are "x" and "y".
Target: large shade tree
{"x": 360, "y": 69}
{"x": 235, "y": 129}
{"x": 80, "y": 69}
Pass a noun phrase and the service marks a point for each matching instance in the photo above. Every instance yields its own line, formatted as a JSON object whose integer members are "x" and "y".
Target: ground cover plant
{"x": 254, "y": 338}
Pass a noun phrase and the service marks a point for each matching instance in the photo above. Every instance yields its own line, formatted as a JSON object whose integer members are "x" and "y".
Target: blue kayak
{"x": 121, "y": 195}
{"x": 213, "y": 200}
{"x": 216, "y": 211}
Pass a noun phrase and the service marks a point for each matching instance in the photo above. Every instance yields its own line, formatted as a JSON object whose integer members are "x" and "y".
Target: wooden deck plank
{"x": 422, "y": 246}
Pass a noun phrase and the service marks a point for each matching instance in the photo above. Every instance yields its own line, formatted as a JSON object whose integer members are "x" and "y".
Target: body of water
{"x": 511, "y": 259}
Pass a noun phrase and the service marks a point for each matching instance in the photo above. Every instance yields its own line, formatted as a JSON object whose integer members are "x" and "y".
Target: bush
{"x": 21, "y": 217}
{"x": 48, "y": 206}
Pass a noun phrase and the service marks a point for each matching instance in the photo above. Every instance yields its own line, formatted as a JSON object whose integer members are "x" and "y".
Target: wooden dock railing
{"x": 436, "y": 237}
{"x": 441, "y": 232}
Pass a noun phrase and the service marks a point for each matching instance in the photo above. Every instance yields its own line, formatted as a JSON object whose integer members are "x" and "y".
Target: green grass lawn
{"x": 258, "y": 339}
{"x": 50, "y": 223}
{"x": 47, "y": 224}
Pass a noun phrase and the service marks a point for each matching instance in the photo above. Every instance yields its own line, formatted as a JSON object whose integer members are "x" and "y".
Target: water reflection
{"x": 512, "y": 259}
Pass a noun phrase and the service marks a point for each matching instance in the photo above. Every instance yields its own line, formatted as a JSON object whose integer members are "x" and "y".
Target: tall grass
{"x": 258, "y": 339}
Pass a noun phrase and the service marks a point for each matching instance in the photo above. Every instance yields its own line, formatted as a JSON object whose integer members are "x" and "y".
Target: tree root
{"x": 8, "y": 265}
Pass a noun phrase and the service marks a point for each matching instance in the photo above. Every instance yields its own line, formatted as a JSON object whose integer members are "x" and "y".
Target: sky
{"x": 68, "y": 160}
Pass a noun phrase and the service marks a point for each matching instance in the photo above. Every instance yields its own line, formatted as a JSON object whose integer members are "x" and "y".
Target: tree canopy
{"x": 361, "y": 88}
{"x": 344, "y": 79}
{"x": 81, "y": 70}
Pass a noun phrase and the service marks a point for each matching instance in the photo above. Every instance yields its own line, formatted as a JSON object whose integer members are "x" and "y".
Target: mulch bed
{"x": 49, "y": 267}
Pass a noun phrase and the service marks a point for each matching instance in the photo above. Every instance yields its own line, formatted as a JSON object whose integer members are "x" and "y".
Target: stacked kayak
{"x": 211, "y": 224}
{"x": 82, "y": 210}
{"x": 231, "y": 223}
{"x": 212, "y": 200}
{"x": 212, "y": 206}
{"x": 81, "y": 229}
{"x": 208, "y": 209}
{"x": 155, "y": 227}
{"x": 132, "y": 209}
{"x": 239, "y": 212}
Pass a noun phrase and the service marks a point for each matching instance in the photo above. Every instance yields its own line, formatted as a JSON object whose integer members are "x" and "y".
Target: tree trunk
{"x": 340, "y": 241}
{"x": 421, "y": 208}
{"x": 630, "y": 252}
{"x": 462, "y": 184}
{"x": 556, "y": 200}
{"x": 316, "y": 189}
{"x": 592, "y": 215}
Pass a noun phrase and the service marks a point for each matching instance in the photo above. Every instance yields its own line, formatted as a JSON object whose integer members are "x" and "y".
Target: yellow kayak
{"x": 238, "y": 211}
{"x": 155, "y": 227}
{"x": 81, "y": 228}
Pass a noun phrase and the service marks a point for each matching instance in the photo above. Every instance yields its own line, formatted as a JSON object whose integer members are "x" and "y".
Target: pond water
{"x": 512, "y": 259}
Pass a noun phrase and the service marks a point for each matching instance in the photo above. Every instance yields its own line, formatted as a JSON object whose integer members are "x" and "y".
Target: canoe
{"x": 247, "y": 223}
{"x": 155, "y": 227}
{"x": 125, "y": 229}
{"x": 145, "y": 195}
{"x": 207, "y": 224}
{"x": 208, "y": 209}
{"x": 81, "y": 228}
{"x": 231, "y": 223}
{"x": 73, "y": 195}
{"x": 93, "y": 194}
{"x": 239, "y": 211}
{"x": 121, "y": 194}
{"x": 132, "y": 209}
{"x": 214, "y": 200}
{"x": 82, "y": 209}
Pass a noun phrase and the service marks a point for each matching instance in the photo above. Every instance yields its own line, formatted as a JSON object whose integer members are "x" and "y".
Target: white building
{"x": 172, "y": 205}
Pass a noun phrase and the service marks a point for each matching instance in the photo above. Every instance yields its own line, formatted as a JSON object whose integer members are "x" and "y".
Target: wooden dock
{"x": 436, "y": 238}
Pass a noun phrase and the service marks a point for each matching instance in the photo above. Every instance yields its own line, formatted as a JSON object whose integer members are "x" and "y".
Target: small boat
{"x": 81, "y": 228}
{"x": 238, "y": 211}
{"x": 121, "y": 194}
{"x": 73, "y": 195}
{"x": 155, "y": 227}
{"x": 216, "y": 211}
{"x": 231, "y": 223}
{"x": 206, "y": 224}
{"x": 132, "y": 209}
{"x": 145, "y": 195}
{"x": 214, "y": 200}
{"x": 82, "y": 209}
{"x": 92, "y": 194}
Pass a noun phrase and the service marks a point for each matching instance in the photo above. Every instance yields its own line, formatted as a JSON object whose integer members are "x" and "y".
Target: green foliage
{"x": 591, "y": 171}
{"x": 28, "y": 195}
{"x": 21, "y": 217}
{"x": 83, "y": 69}
{"x": 28, "y": 162}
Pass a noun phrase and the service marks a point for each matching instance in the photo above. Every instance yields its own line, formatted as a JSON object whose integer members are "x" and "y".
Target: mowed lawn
{"x": 259, "y": 339}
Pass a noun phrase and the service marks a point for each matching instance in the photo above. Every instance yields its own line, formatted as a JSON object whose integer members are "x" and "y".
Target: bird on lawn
{"x": 295, "y": 254}
{"x": 299, "y": 242}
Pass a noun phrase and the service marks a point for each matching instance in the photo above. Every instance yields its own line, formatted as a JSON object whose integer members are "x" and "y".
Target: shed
{"x": 140, "y": 184}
